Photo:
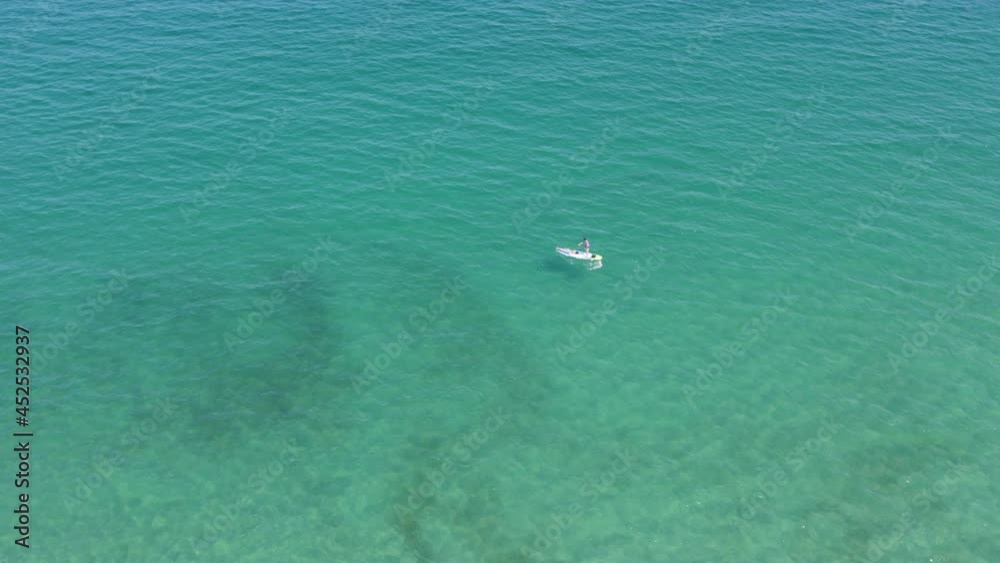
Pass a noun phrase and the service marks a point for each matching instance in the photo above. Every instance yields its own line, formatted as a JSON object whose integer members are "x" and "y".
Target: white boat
{"x": 579, "y": 254}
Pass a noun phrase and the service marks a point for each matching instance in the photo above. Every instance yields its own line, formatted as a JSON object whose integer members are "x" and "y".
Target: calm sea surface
{"x": 289, "y": 277}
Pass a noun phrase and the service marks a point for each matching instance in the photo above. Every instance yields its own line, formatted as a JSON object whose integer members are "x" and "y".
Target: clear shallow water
{"x": 384, "y": 168}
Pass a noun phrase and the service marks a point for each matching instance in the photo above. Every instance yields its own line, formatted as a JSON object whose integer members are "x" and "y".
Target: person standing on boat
{"x": 586, "y": 244}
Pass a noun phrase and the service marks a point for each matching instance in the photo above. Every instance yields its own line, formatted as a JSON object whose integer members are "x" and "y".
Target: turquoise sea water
{"x": 289, "y": 275}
